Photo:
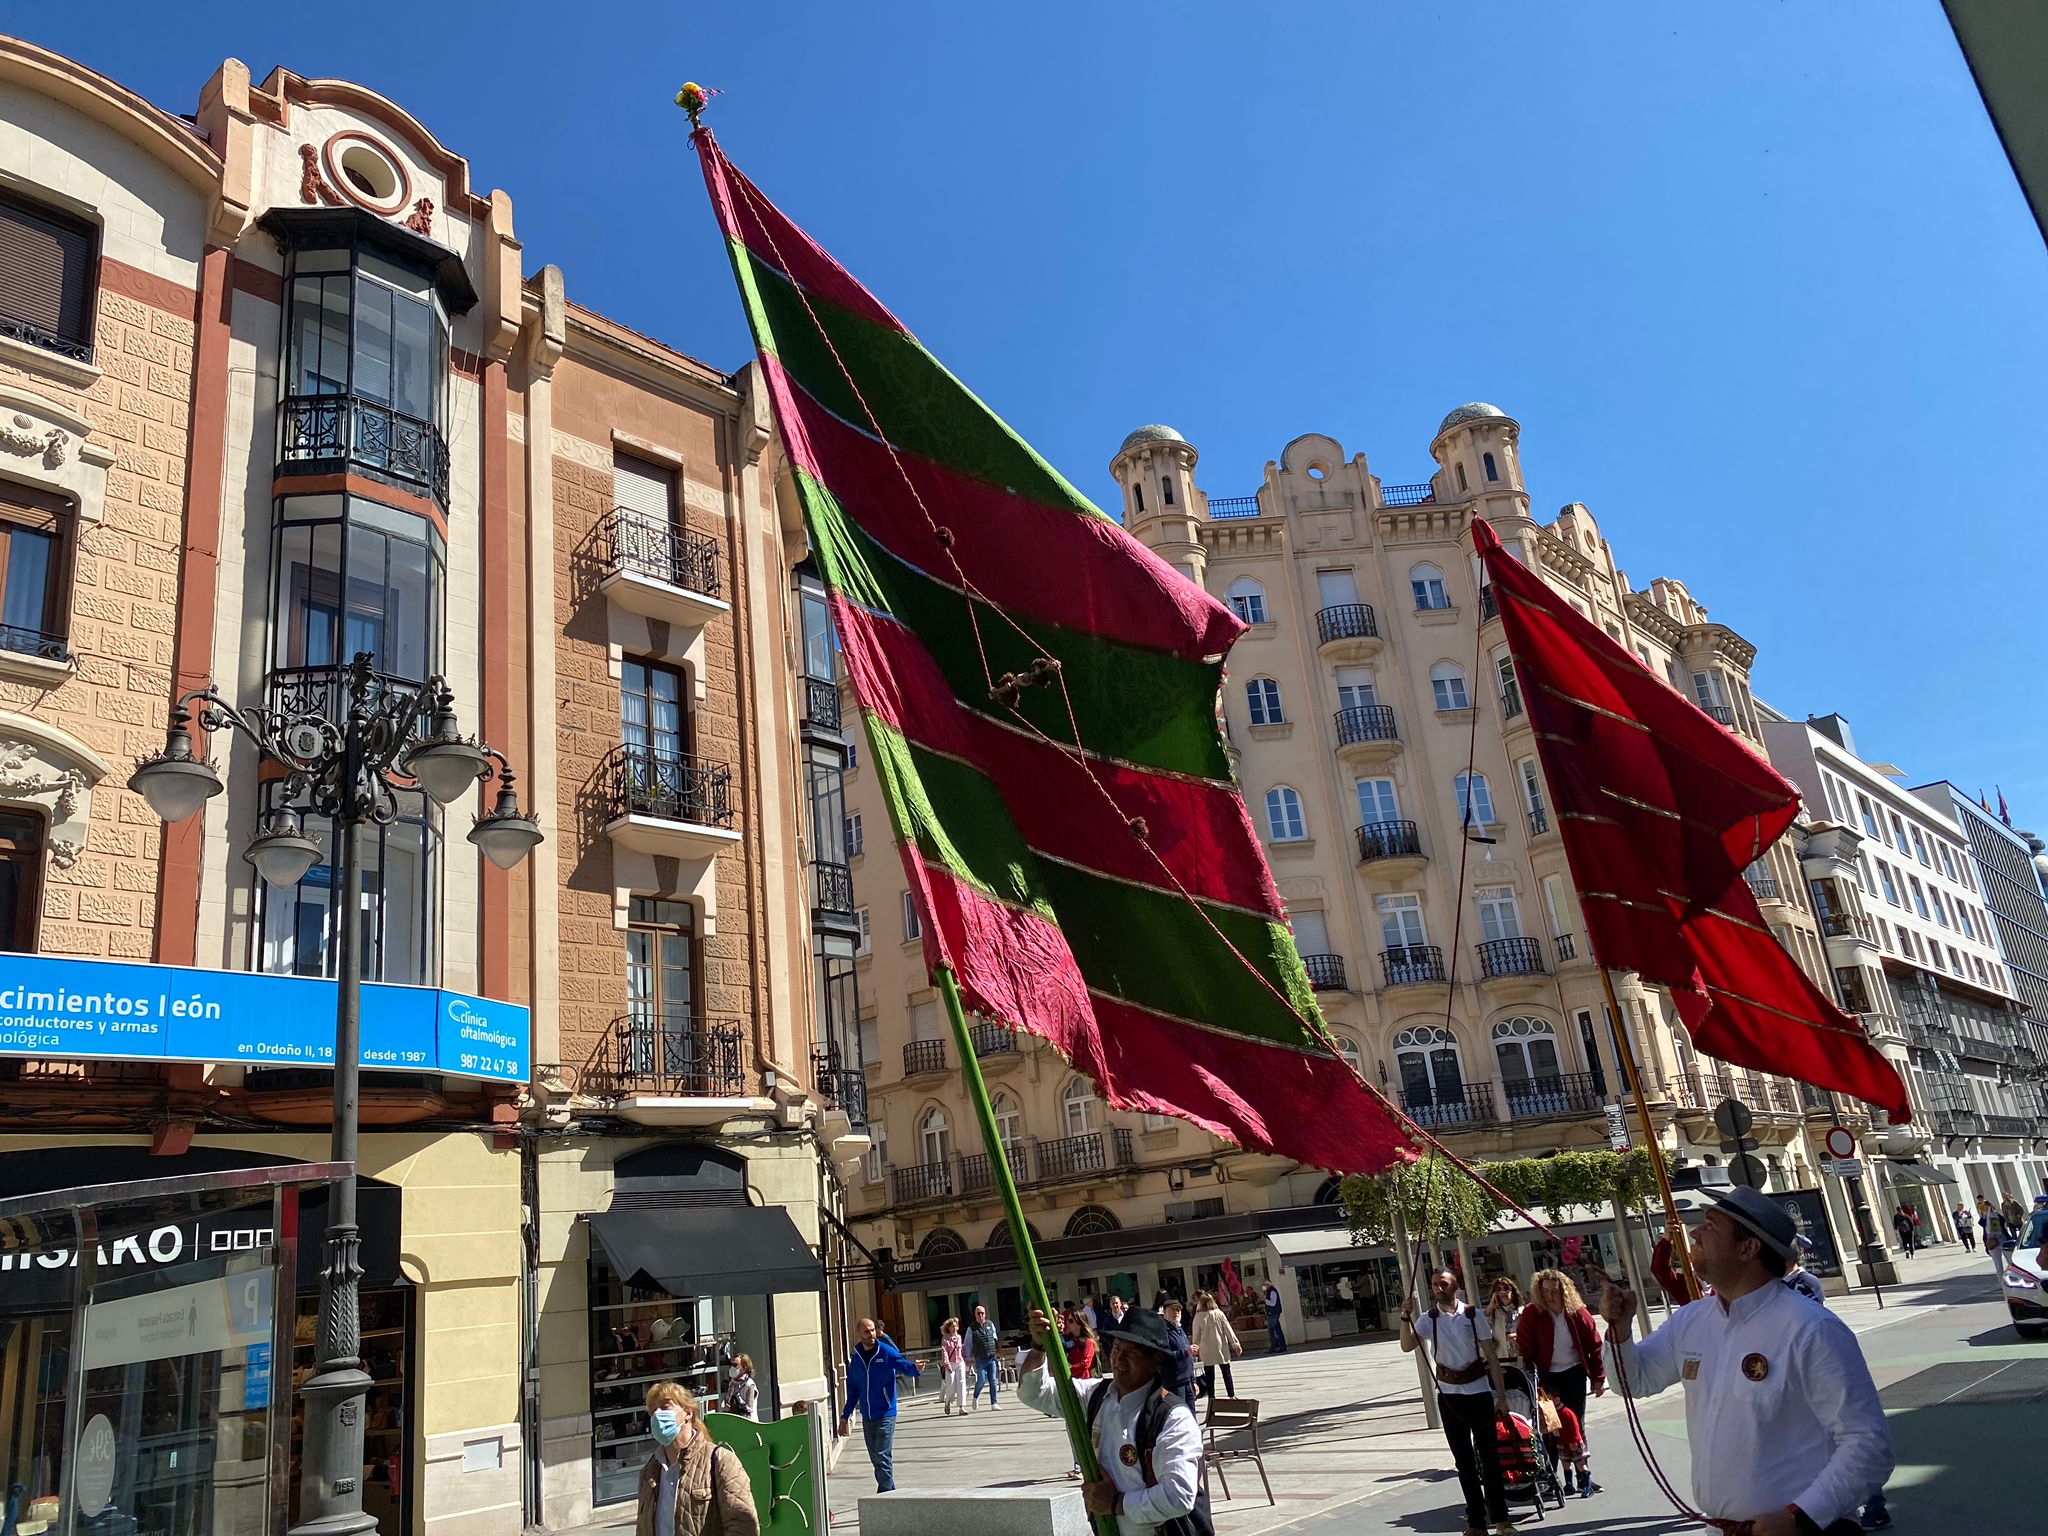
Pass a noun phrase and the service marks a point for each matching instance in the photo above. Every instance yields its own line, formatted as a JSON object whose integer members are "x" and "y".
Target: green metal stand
{"x": 1035, "y": 1293}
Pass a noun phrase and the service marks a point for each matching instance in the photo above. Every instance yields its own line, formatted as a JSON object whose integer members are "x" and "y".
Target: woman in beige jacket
{"x": 690, "y": 1487}
{"x": 1215, "y": 1343}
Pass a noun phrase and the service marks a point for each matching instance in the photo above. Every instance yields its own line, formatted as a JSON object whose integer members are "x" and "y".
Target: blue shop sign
{"x": 109, "y": 1011}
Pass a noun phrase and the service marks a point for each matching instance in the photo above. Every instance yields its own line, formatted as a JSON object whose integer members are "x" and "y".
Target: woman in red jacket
{"x": 1556, "y": 1335}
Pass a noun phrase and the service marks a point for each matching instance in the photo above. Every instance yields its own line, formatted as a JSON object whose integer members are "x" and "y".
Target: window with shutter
{"x": 46, "y": 278}
{"x": 644, "y": 488}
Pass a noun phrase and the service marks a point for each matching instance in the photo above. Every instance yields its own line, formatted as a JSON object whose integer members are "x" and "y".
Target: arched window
{"x": 1348, "y": 1049}
{"x": 1166, "y": 490}
{"x": 1247, "y": 600}
{"x": 1091, "y": 1220}
{"x": 1284, "y": 821}
{"x": 941, "y": 1240}
{"x": 1447, "y": 682}
{"x": 1461, "y": 478}
{"x": 1329, "y": 1192}
{"x": 1491, "y": 472}
{"x": 999, "y": 1235}
{"x": 1427, "y": 583}
{"x": 1262, "y": 694}
{"x": 935, "y": 1137}
{"x": 1079, "y": 1107}
{"x": 1138, "y": 494}
{"x": 1432, "y": 1081}
{"x": 1009, "y": 1122}
{"x": 1475, "y": 800}
{"x": 1525, "y": 1050}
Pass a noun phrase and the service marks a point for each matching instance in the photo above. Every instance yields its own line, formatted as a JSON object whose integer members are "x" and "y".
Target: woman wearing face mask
{"x": 689, "y": 1486}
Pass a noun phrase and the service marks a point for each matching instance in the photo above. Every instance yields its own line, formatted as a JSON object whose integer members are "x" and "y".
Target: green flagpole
{"x": 1035, "y": 1293}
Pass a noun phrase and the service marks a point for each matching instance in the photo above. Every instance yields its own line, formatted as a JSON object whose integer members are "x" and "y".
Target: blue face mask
{"x": 667, "y": 1427}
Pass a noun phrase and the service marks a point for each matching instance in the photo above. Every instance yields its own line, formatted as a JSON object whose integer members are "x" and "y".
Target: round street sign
{"x": 1745, "y": 1169}
{"x": 1732, "y": 1118}
{"x": 1841, "y": 1142}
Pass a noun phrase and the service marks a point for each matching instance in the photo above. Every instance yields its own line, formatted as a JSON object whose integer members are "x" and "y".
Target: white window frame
{"x": 1426, "y": 586}
{"x": 1286, "y": 820}
{"x": 913, "y": 922}
{"x": 1471, "y": 793}
{"x": 1500, "y": 915}
{"x": 853, "y": 834}
{"x": 1395, "y": 912}
{"x": 1247, "y": 599}
{"x": 934, "y": 1132}
{"x": 1355, "y": 694}
{"x": 1388, "y": 802}
{"x": 865, "y": 944}
{"x": 876, "y": 1162}
{"x": 1080, "y": 1107}
{"x": 1447, "y": 686}
{"x": 1262, "y": 702}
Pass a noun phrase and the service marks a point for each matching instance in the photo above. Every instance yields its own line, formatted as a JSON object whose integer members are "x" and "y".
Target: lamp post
{"x": 345, "y": 771}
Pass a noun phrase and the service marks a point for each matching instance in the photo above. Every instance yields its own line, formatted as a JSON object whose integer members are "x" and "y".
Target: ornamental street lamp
{"x": 348, "y": 771}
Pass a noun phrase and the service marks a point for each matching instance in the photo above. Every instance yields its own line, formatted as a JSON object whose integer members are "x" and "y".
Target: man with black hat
{"x": 1787, "y": 1435}
{"x": 1146, "y": 1440}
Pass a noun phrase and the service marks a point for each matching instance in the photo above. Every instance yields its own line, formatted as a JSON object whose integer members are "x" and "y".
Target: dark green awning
{"x": 720, "y": 1250}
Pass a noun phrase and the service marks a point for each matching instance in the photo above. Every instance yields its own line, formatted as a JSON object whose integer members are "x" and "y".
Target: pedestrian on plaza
{"x": 1216, "y": 1344}
{"x": 1466, "y": 1367}
{"x": 1786, "y": 1431}
{"x": 1079, "y": 1341}
{"x": 952, "y": 1366}
{"x": 2037, "y": 1224}
{"x": 983, "y": 1348}
{"x": 1904, "y": 1221}
{"x": 871, "y": 1372}
{"x": 1090, "y": 1311}
{"x": 2015, "y": 1216}
{"x": 1147, "y": 1444}
{"x": 1566, "y": 1443}
{"x": 1181, "y": 1377}
{"x": 742, "y": 1392}
{"x": 690, "y": 1486}
{"x": 1503, "y": 1306}
{"x": 1110, "y": 1313}
{"x": 1557, "y": 1336}
{"x": 1992, "y": 1226}
{"x": 1276, "y": 1337}
{"x": 1965, "y": 1228}
{"x": 1798, "y": 1277}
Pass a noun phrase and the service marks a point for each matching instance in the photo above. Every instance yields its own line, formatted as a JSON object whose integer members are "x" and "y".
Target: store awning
{"x": 720, "y": 1250}
{"x": 1913, "y": 1171}
{"x": 1325, "y": 1245}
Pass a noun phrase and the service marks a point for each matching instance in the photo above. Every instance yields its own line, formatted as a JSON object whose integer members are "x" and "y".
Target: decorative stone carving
{"x": 21, "y": 778}
{"x": 20, "y": 435}
{"x": 421, "y": 219}
{"x": 313, "y": 188}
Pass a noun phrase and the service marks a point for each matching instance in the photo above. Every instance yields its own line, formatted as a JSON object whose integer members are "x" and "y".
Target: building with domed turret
{"x": 1377, "y": 729}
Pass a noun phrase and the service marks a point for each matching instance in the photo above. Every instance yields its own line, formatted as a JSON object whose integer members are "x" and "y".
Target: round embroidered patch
{"x": 1755, "y": 1367}
{"x": 1128, "y": 1455}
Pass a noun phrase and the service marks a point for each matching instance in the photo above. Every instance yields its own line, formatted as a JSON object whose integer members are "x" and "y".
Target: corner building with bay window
{"x": 277, "y": 390}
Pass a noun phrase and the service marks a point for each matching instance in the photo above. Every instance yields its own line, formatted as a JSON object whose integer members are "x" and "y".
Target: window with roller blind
{"x": 47, "y": 265}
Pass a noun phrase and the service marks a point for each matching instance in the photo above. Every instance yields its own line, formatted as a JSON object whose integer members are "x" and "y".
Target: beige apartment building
{"x": 1378, "y": 732}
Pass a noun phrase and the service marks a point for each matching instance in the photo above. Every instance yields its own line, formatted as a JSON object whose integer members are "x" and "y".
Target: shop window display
{"x": 638, "y": 1337}
{"x": 386, "y": 1406}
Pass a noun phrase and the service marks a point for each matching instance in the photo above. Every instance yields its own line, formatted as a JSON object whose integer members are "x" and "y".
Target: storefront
{"x": 1343, "y": 1289}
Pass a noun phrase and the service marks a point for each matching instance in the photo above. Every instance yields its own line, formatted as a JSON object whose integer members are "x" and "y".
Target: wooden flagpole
{"x": 1035, "y": 1293}
{"x": 1624, "y": 1048}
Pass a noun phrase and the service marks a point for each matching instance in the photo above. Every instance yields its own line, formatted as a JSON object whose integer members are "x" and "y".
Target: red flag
{"x": 1661, "y": 811}
{"x": 2004, "y": 815}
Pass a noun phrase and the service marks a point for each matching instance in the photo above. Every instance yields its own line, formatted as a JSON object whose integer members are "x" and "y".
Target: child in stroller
{"x": 1528, "y": 1473}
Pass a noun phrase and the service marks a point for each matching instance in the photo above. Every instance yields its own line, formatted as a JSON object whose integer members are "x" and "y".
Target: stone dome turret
{"x": 1152, "y": 434}
{"x": 1474, "y": 410}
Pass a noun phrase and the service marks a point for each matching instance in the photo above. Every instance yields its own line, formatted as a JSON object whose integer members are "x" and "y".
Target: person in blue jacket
{"x": 871, "y": 1372}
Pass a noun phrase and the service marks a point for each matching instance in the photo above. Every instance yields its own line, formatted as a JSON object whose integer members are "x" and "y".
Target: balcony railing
{"x": 1471, "y": 1104}
{"x": 840, "y": 1087}
{"x": 324, "y": 690}
{"x": 821, "y": 703}
{"x": 831, "y": 888}
{"x": 1722, "y": 714}
{"x": 1367, "y": 722}
{"x": 1407, "y": 495}
{"x": 1511, "y": 957}
{"x": 1489, "y": 605}
{"x": 1325, "y": 972}
{"x": 1567, "y": 948}
{"x": 78, "y": 351}
{"x": 923, "y": 1056}
{"x": 978, "y": 1174}
{"x": 1706, "y": 1088}
{"x": 1094, "y": 1152}
{"x": 671, "y": 786}
{"x": 36, "y": 643}
{"x": 362, "y": 434}
{"x": 1549, "y": 1098}
{"x": 1412, "y": 965}
{"x": 1388, "y": 840}
{"x": 1985, "y": 1050}
{"x": 925, "y": 1181}
{"x": 2010, "y": 1125}
{"x": 1223, "y": 507}
{"x": 688, "y": 1057}
{"x": 1539, "y": 821}
{"x": 1845, "y": 925}
{"x": 992, "y": 1040}
{"x": 1762, "y": 884}
{"x": 1346, "y": 621}
{"x": 652, "y": 546}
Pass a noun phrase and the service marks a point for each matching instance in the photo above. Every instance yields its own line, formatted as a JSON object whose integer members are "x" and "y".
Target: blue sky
{"x": 1755, "y": 278}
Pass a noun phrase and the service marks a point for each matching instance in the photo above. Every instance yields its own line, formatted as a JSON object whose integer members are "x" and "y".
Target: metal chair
{"x": 1231, "y": 1433}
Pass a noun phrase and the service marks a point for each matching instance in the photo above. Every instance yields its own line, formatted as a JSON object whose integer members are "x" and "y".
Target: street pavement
{"x": 1347, "y": 1447}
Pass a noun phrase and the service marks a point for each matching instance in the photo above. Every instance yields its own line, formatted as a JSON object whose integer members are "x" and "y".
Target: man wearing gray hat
{"x": 1787, "y": 1435}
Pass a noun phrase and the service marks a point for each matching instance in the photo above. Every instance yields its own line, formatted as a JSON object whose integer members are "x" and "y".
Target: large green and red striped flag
{"x": 1076, "y": 841}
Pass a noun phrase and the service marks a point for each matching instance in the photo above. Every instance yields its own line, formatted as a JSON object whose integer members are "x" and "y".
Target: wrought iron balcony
{"x": 1094, "y": 1152}
{"x": 821, "y": 703}
{"x": 1489, "y": 604}
{"x": 1551, "y": 1098}
{"x": 1762, "y": 884}
{"x": 688, "y": 1057}
{"x": 1845, "y": 925}
{"x": 1539, "y": 821}
{"x": 79, "y": 351}
{"x": 1224, "y": 507}
{"x": 1407, "y": 495}
{"x": 1367, "y": 722}
{"x": 2011, "y": 1125}
{"x": 925, "y": 1181}
{"x": 1985, "y": 1050}
{"x": 831, "y": 888}
{"x": 1346, "y": 621}
{"x": 1413, "y": 965}
{"x": 324, "y": 690}
{"x": 992, "y": 1040}
{"x": 655, "y": 548}
{"x": 923, "y": 1056}
{"x": 36, "y": 643}
{"x": 1721, "y": 714}
{"x": 839, "y": 1086}
{"x": 1510, "y": 700}
{"x": 670, "y": 786}
{"x": 1469, "y": 1105}
{"x": 1388, "y": 840}
{"x": 1511, "y": 957}
{"x": 1325, "y": 972}
{"x": 977, "y": 1173}
{"x": 1567, "y": 948}
{"x": 349, "y": 432}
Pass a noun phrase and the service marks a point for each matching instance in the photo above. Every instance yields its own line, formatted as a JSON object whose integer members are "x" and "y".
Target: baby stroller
{"x": 1526, "y": 1472}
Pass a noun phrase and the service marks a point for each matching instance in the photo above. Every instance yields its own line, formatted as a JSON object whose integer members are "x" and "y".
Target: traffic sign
{"x": 1841, "y": 1142}
{"x": 1844, "y": 1167}
{"x": 1617, "y": 1127}
{"x": 1744, "y": 1169}
{"x": 1733, "y": 1119}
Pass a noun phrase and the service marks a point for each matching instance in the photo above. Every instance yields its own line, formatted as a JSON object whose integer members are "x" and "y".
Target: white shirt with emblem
{"x": 1779, "y": 1405}
{"x": 1456, "y": 1337}
{"x": 1176, "y": 1458}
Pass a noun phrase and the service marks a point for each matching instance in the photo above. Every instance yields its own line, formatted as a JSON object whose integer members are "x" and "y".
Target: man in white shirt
{"x": 1470, "y": 1396}
{"x": 1786, "y": 1431}
{"x": 1146, "y": 1440}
